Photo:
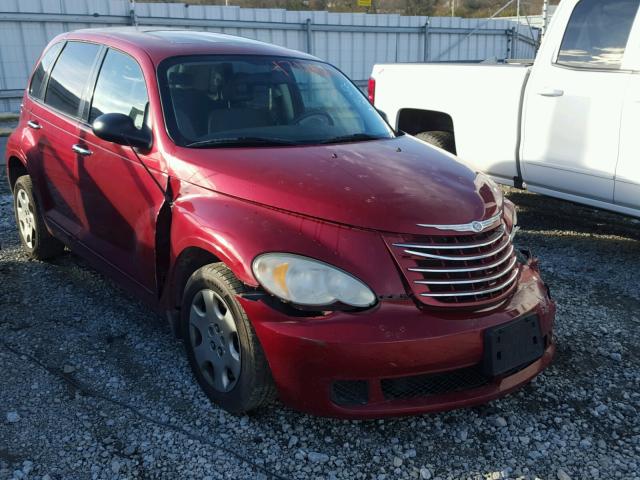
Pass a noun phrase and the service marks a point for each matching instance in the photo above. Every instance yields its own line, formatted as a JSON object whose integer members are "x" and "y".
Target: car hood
{"x": 389, "y": 185}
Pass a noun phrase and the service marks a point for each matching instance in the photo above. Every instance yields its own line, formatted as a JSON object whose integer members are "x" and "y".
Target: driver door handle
{"x": 80, "y": 150}
{"x": 551, "y": 92}
{"x": 33, "y": 124}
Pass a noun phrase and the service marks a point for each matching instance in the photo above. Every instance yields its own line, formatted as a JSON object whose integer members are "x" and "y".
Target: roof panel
{"x": 191, "y": 36}
{"x": 162, "y": 42}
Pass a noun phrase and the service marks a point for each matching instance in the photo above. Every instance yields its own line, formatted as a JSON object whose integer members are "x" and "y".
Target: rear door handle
{"x": 80, "y": 150}
{"x": 551, "y": 92}
{"x": 33, "y": 124}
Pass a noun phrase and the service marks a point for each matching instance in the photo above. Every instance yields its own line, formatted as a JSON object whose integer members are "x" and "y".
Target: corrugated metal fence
{"x": 351, "y": 41}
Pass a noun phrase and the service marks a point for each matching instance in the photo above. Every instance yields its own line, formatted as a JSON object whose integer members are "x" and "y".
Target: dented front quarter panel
{"x": 236, "y": 231}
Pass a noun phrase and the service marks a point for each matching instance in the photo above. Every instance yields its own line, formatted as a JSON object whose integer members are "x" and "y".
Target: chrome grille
{"x": 464, "y": 269}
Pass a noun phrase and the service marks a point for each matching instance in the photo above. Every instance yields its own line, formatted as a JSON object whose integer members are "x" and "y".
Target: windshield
{"x": 214, "y": 101}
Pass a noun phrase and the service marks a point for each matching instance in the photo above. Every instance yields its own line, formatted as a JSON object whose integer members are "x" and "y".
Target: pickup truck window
{"x": 597, "y": 34}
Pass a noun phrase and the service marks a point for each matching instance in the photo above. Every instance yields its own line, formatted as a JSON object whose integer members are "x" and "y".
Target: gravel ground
{"x": 93, "y": 385}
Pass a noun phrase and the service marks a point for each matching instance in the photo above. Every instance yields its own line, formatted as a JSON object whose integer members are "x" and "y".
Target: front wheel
{"x": 34, "y": 236}
{"x": 223, "y": 350}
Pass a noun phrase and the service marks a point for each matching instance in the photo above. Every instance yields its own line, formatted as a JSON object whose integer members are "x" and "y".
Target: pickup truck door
{"x": 574, "y": 99}
{"x": 627, "y": 183}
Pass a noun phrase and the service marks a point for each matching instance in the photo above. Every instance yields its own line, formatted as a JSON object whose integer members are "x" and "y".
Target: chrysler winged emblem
{"x": 475, "y": 226}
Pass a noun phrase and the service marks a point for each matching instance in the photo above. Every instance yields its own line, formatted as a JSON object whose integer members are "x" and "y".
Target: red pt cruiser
{"x": 297, "y": 244}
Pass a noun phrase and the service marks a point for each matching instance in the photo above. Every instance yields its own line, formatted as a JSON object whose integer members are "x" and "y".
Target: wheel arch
{"x": 15, "y": 169}
{"x": 413, "y": 121}
{"x": 194, "y": 253}
{"x": 188, "y": 261}
{"x": 207, "y": 227}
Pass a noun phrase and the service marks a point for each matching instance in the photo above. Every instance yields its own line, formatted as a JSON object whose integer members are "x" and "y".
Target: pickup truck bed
{"x": 487, "y": 136}
{"x": 564, "y": 126}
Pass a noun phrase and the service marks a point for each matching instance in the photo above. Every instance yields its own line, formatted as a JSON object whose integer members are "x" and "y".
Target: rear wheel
{"x": 35, "y": 237}
{"x": 443, "y": 140}
{"x": 223, "y": 350}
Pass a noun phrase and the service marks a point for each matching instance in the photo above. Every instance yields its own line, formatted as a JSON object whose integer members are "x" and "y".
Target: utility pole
{"x": 545, "y": 16}
{"x": 132, "y": 13}
{"x": 515, "y": 40}
{"x": 453, "y": 8}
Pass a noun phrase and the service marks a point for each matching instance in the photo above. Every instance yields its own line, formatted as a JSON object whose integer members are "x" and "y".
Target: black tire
{"x": 254, "y": 387}
{"x": 40, "y": 244}
{"x": 443, "y": 140}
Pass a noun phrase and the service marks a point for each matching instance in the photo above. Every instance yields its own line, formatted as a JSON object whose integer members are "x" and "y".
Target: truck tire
{"x": 34, "y": 236}
{"x": 443, "y": 140}
{"x": 222, "y": 348}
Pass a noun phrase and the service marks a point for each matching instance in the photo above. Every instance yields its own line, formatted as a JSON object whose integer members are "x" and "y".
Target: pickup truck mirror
{"x": 119, "y": 128}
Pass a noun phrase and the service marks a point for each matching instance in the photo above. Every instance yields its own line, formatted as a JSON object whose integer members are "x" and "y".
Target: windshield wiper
{"x": 240, "y": 142}
{"x": 356, "y": 137}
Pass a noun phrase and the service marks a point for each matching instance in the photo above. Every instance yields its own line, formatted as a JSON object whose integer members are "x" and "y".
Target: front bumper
{"x": 368, "y": 350}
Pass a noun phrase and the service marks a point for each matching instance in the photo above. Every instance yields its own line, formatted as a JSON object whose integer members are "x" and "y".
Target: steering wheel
{"x": 311, "y": 114}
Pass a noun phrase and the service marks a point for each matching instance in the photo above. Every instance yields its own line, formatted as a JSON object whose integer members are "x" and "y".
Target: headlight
{"x": 304, "y": 281}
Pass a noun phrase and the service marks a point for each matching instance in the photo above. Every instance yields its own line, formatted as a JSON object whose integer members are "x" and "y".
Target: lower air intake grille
{"x": 434, "y": 384}
{"x": 350, "y": 392}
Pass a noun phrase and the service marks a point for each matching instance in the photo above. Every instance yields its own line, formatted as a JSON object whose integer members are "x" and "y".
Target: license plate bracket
{"x": 512, "y": 346}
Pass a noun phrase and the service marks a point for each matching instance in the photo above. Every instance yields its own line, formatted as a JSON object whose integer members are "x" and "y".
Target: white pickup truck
{"x": 567, "y": 126}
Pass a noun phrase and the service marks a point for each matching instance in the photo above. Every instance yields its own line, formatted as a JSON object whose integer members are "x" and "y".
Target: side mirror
{"x": 119, "y": 128}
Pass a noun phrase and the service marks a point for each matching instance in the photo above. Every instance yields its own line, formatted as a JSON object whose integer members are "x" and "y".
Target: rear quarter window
{"x": 69, "y": 76}
{"x": 36, "y": 88}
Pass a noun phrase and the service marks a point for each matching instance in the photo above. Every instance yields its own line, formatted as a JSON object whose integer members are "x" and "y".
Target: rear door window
{"x": 70, "y": 75}
{"x": 120, "y": 89}
{"x": 597, "y": 34}
{"x": 36, "y": 89}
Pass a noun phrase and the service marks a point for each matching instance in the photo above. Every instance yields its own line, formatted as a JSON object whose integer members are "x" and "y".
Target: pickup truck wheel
{"x": 34, "y": 236}
{"x": 443, "y": 140}
{"x": 224, "y": 353}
